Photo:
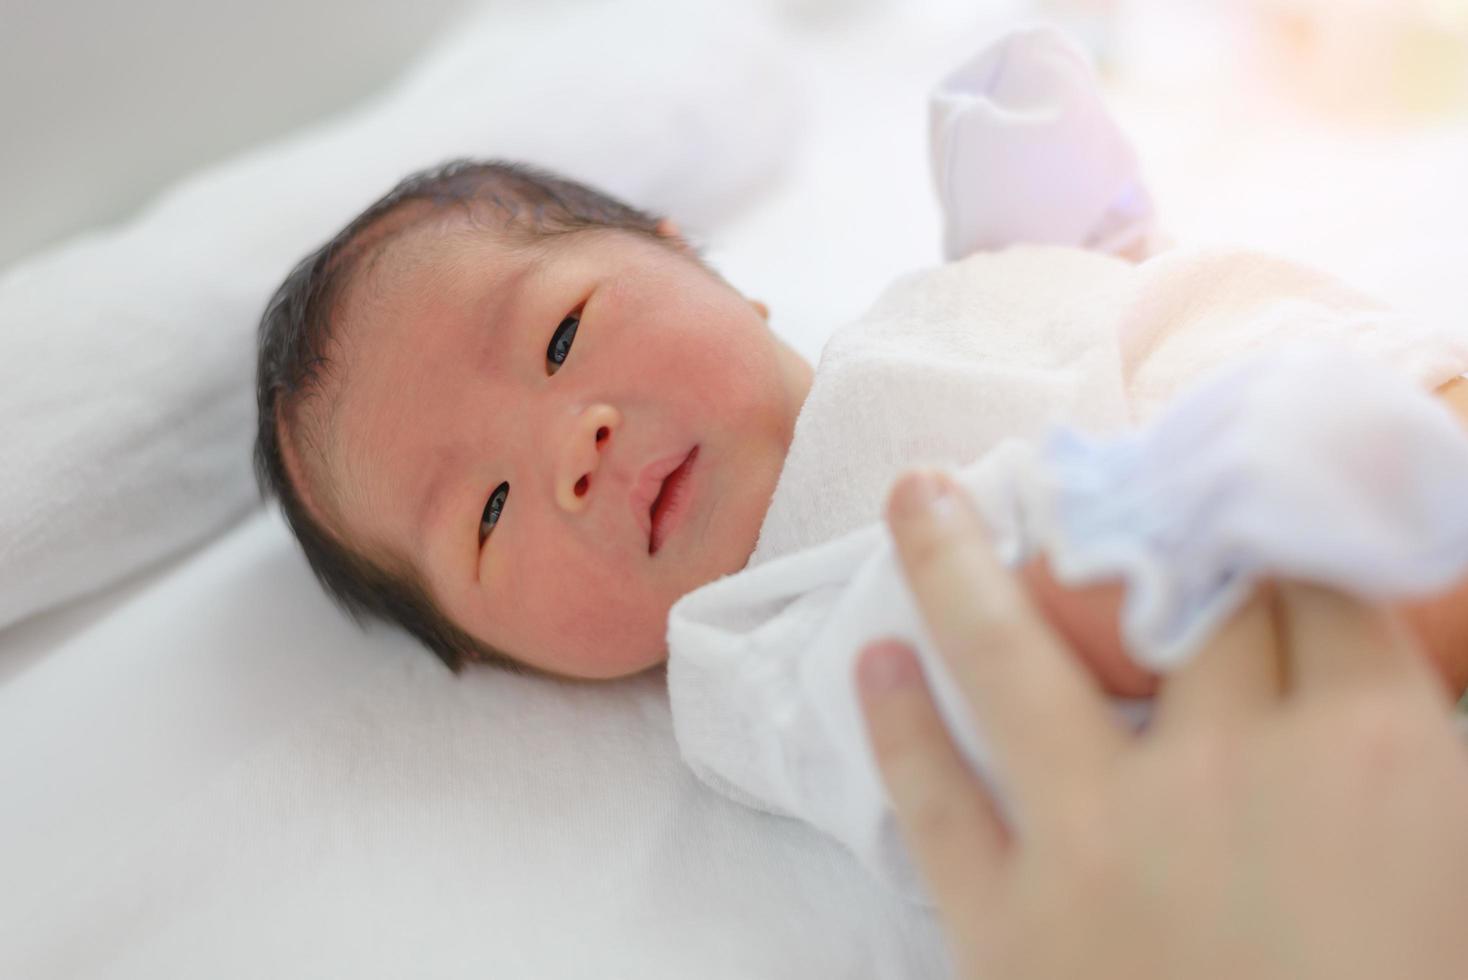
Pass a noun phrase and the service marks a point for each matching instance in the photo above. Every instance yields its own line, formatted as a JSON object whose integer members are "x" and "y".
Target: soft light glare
{"x": 1380, "y": 60}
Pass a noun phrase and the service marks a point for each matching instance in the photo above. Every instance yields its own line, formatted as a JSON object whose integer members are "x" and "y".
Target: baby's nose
{"x": 581, "y": 455}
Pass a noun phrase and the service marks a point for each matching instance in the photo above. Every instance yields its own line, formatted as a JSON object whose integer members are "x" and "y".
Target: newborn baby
{"x": 457, "y": 455}
{"x": 522, "y": 419}
{"x": 469, "y": 401}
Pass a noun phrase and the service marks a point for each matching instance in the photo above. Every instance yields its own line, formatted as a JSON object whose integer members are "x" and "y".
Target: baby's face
{"x": 448, "y": 394}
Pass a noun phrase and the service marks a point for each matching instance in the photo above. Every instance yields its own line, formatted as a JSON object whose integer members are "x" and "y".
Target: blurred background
{"x": 1294, "y": 125}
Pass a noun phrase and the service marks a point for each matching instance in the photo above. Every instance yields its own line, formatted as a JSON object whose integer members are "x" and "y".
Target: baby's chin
{"x": 631, "y": 667}
{"x": 628, "y": 653}
{"x": 613, "y": 669}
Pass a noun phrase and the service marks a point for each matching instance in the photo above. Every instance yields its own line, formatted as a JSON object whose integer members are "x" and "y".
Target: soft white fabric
{"x": 127, "y": 376}
{"x": 949, "y": 363}
{"x": 1022, "y": 150}
{"x": 1025, "y": 150}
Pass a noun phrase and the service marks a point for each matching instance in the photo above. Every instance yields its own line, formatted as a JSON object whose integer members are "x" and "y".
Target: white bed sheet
{"x": 210, "y": 772}
{"x": 222, "y": 778}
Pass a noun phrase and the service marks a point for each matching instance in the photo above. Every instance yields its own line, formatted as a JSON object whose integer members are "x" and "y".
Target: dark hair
{"x": 525, "y": 205}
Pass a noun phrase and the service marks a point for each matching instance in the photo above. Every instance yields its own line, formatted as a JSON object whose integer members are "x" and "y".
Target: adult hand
{"x": 1298, "y": 806}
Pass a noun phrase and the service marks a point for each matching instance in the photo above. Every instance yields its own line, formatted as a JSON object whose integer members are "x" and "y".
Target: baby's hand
{"x": 1088, "y": 619}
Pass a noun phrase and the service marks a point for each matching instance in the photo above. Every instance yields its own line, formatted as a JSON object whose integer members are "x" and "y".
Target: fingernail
{"x": 919, "y": 495}
{"x": 886, "y": 667}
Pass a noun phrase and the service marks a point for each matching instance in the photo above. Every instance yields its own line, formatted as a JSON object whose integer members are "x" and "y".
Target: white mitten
{"x": 1025, "y": 151}
{"x": 1309, "y": 462}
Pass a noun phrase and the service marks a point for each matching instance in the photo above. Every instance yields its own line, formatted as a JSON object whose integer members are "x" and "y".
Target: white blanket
{"x": 949, "y": 362}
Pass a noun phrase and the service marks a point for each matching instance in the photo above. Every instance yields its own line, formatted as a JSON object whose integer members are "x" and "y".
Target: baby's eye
{"x": 492, "y": 510}
{"x": 560, "y": 344}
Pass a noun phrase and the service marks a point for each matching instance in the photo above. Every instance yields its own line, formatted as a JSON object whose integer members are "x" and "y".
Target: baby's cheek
{"x": 592, "y": 622}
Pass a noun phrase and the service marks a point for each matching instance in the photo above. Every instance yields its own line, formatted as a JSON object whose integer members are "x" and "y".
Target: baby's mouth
{"x": 670, "y": 503}
{"x": 661, "y": 496}
{"x": 646, "y": 495}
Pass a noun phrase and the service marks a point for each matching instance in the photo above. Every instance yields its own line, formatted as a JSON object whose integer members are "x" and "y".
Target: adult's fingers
{"x": 1239, "y": 671}
{"x": 1046, "y": 719}
{"x": 948, "y": 820}
{"x": 1333, "y": 639}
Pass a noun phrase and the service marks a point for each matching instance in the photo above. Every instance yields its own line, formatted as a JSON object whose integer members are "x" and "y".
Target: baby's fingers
{"x": 950, "y": 824}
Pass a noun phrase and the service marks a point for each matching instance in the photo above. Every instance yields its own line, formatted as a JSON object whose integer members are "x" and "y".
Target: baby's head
{"x": 469, "y": 398}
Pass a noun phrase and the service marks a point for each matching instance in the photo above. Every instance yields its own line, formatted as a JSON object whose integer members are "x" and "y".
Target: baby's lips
{"x": 648, "y": 484}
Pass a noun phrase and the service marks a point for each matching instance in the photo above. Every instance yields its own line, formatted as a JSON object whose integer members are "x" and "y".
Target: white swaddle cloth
{"x": 1333, "y": 465}
{"x": 971, "y": 365}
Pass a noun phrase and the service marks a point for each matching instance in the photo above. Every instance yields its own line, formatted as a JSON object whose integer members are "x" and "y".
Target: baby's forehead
{"x": 417, "y": 253}
{"x": 397, "y": 275}
{"x": 390, "y": 266}
{"x": 450, "y": 255}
